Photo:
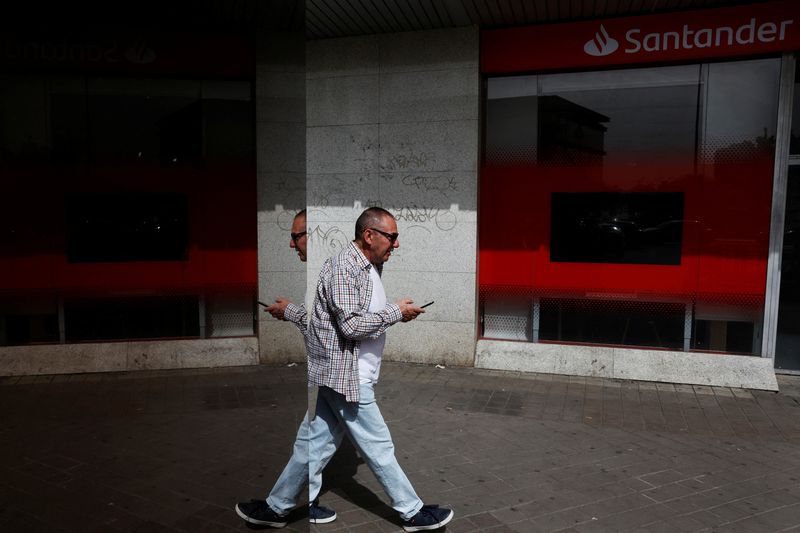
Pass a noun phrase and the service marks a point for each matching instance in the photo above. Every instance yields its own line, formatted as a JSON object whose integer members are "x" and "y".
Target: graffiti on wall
{"x": 407, "y": 182}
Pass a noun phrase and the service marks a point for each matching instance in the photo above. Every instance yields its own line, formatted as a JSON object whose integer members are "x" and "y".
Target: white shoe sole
{"x": 323, "y": 520}
{"x": 432, "y": 526}
{"x": 259, "y": 522}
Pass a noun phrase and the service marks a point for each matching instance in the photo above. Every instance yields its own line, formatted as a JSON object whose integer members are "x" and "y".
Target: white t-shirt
{"x": 371, "y": 350}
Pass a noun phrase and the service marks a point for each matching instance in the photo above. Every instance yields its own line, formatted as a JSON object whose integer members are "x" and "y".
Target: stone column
{"x": 281, "y": 162}
{"x": 393, "y": 121}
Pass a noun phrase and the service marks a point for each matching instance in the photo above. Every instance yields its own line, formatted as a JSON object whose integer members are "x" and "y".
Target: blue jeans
{"x": 284, "y": 495}
{"x": 318, "y": 440}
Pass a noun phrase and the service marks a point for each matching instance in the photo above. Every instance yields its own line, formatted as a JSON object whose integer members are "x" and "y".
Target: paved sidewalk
{"x": 175, "y": 450}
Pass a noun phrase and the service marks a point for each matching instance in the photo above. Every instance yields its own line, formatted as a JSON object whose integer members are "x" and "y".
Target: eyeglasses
{"x": 297, "y": 236}
{"x": 391, "y": 236}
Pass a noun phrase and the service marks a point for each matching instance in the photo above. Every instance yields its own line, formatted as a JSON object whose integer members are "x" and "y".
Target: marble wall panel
{"x": 343, "y": 149}
{"x": 340, "y": 101}
{"x": 352, "y": 56}
{"x": 447, "y": 49}
{"x": 428, "y": 96}
{"x": 416, "y": 157}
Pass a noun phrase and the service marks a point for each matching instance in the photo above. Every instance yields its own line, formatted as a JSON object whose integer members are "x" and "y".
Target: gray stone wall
{"x": 716, "y": 370}
{"x": 392, "y": 121}
{"x": 126, "y": 356}
{"x": 281, "y": 163}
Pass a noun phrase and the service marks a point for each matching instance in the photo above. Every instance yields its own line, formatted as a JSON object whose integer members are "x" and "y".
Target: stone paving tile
{"x": 175, "y": 450}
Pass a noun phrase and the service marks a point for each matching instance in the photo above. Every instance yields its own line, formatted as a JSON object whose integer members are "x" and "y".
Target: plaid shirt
{"x": 340, "y": 321}
{"x": 297, "y": 315}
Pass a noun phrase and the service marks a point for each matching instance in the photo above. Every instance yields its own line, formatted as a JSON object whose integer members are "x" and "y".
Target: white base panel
{"x": 125, "y": 356}
{"x": 717, "y": 370}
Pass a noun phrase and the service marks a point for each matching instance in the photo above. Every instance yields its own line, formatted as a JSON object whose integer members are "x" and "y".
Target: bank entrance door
{"x": 787, "y": 343}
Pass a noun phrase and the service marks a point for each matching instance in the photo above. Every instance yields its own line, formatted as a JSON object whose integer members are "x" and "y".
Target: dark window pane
{"x": 787, "y": 346}
{"x": 723, "y": 336}
{"x": 623, "y": 117}
{"x": 512, "y": 121}
{"x": 228, "y": 134}
{"x": 126, "y": 227}
{"x": 170, "y": 122}
{"x": 655, "y": 324}
{"x": 794, "y": 145}
{"x": 94, "y": 319}
{"x": 126, "y": 117}
{"x": 751, "y": 88}
{"x": 607, "y": 227}
{"x": 570, "y": 133}
{"x": 42, "y": 120}
{"x": 28, "y": 329}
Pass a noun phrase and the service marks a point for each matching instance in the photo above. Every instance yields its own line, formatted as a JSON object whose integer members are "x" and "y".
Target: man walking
{"x": 345, "y": 345}
{"x": 284, "y": 495}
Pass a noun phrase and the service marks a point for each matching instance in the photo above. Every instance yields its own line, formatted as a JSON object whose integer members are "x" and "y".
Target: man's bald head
{"x": 370, "y": 218}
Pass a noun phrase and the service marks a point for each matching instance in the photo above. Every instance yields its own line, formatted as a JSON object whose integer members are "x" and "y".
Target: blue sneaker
{"x": 317, "y": 514}
{"x": 429, "y": 517}
{"x": 258, "y": 512}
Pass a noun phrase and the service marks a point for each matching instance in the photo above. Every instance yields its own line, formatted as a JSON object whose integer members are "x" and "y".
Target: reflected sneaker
{"x": 258, "y": 512}
{"x": 317, "y": 514}
{"x": 429, "y": 517}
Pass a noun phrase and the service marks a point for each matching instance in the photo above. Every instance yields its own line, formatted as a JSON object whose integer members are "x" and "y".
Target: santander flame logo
{"x": 601, "y": 45}
{"x": 139, "y": 53}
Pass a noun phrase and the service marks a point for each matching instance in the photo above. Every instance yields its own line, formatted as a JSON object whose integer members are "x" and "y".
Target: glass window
{"x": 124, "y": 121}
{"x": 632, "y": 206}
{"x": 615, "y": 117}
{"x": 99, "y": 170}
{"x": 126, "y": 227}
{"x": 626, "y": 323}
{"x": 734, "y": 189}
{"x": 616, "y": 227}
{"x": 42, "y": 119}
{"x": 32, "y": 321}
{"x": 741, "y": 110}
{"x": 787, "y": 346}
{"x": 794, "y": 144}
{"x": 95, "y": 319}
{"x": 512, "y": 120}
{"x": 136, "y": 121}
{"x": 620, "y": 117}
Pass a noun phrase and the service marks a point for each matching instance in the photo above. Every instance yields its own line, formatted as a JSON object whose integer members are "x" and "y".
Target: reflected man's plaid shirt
{"x": 297, "y": 315}
{"x": 340, "y": 321}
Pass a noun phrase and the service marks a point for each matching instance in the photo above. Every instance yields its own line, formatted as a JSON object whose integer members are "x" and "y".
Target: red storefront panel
{"x": 221, "y": 247}
{"x": 724, "y": 245}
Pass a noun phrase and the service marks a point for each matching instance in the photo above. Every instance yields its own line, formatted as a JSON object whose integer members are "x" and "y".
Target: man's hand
{"x": 409, "y": 310}
{"x": 278, "y": 309}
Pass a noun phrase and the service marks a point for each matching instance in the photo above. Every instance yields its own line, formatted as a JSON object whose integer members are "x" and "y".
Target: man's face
{"x": 299, "y": 238}
{"x": 379, "y": 244}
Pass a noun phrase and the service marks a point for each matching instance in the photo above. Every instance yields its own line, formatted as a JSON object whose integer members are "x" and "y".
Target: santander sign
{"x": 688, "y": 36}
{"x": 681, "y": 36}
